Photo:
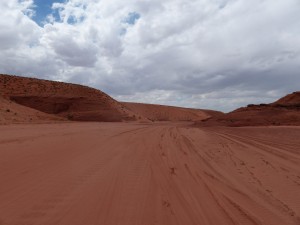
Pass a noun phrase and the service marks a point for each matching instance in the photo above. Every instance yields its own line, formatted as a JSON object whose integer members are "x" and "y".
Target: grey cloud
{"x": 72, "y": 52}
{"x": 76, "y": 55}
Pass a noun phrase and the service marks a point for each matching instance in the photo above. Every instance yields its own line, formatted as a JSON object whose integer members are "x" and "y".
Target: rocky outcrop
{"x": 285, "y": 111}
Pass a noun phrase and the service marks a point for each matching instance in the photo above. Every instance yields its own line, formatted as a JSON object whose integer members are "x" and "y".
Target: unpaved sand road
{"x": 134, "y": 174}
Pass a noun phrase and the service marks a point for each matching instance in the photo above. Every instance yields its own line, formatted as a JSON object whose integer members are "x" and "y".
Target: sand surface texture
{"x": 135, "y": 174}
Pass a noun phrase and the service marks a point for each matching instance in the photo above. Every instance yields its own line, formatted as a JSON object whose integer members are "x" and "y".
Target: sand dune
{"x": 167, "y": 173}
{"x": 71, "y": 101}
{"x": 168, "y": 113}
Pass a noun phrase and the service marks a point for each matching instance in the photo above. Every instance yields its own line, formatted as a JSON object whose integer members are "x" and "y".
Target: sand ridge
{"x": 168, "y": 113}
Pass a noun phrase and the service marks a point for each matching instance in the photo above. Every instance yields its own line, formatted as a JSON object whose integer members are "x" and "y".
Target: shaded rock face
{"x": 53, "y": 105}
{"x": 11, "y": 112}
{"x": 71, "y": 101}
{"x": 285, "y": 111}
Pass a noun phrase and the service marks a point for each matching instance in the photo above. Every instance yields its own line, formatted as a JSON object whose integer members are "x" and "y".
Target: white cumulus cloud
{"x": 217, "y": 54}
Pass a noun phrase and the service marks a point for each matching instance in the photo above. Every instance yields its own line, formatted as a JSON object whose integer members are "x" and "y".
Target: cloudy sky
{"x": 217, "y": 54}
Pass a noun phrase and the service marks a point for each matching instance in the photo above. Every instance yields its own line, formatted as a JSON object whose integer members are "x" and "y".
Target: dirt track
{"x": 134, "y": 174}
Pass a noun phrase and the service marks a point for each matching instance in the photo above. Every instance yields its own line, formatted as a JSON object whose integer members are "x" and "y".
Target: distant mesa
{"x": 285, "y": 111}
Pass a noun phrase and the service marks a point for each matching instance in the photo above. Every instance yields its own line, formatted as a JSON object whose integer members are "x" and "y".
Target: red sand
{"x": 125, "y": 173}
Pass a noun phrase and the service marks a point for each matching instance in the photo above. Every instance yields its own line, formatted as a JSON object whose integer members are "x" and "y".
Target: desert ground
{"x": 73, "y": 155}
{"x": 133, "y": 173}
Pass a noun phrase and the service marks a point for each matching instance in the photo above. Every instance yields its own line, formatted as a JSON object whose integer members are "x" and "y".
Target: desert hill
{"x": 291, "y": 100}
{"x": 168, "y": 113}
{"x": 285, "y": 111}
{"x": 81, "y": 103}
{"x": 29, "y": 99}
{"x": 70, "y": 101}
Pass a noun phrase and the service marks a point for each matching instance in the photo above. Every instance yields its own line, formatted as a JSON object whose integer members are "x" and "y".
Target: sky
{"x": 43, "y": 8}
{"x": 214, "y": 54}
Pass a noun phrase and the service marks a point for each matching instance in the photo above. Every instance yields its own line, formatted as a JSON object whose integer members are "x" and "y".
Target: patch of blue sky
{"x": 43, "y": 8}
{"x": 73, "y": 20}
{"x": 130, "y": 20}
{"x": 132, "y": 17}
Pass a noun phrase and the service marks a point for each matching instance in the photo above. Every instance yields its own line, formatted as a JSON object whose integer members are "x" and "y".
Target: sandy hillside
{"x": 168, "y": 113}
{"x": 71, "y": 101}
{"x": 134, "y": 174}
{"x": 285, "y": 111}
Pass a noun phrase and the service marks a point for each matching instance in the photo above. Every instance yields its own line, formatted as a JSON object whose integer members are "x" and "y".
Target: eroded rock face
{"x": 53, "y": 105}
{"x": 71, "y": 101}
